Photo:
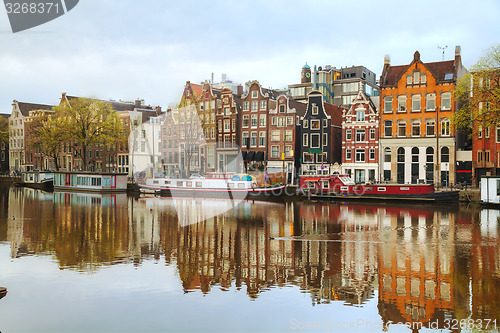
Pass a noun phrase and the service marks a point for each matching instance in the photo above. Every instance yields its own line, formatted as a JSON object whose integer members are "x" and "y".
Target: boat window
{"x": 368, "y": 188}
{"x": 310, "y": 184}
{"x": 381, "y": 189}
{"x": 167, "y": 182}
{"x": 236, "y": 178}
{"x": 344, "y": 188}
{"x": 356, "y": 188}
{"x": 189, "y": 184}
{"x": 179, "y": 184}
{"x": 241, "y": 185}
{"x": 325, "y": 184}
{"x": 404, "y": 188}
{"x": 230, "y": 185}
{"x": 155, "y": 182}
{"x": 198, "y": 184}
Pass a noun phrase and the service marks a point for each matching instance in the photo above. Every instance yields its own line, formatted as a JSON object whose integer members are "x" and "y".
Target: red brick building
{"x": 360, "y": 139}
{"x": 228, "y": 125}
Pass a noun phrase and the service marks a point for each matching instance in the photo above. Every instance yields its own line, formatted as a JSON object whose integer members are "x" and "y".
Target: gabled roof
{"x": 334, "y": 112}
{"x": 117, "y": 106}
{"x": 25, "y": 108}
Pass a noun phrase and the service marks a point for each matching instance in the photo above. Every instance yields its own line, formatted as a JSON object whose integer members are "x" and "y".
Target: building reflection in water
{"x": 426, "y": 264}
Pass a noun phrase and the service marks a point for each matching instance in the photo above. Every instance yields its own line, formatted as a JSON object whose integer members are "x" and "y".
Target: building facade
{"x": 360, "y": 139}
{"x": 320, "y": 134}
{"x": 418, "y": 141}
{"x": 228, "y": 129}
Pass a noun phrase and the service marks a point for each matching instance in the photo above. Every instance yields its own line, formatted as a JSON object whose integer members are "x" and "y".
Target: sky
{"x": 148, "y": 49}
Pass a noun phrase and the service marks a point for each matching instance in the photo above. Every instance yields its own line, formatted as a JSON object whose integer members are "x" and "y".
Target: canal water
{"x": 112, "y": 263}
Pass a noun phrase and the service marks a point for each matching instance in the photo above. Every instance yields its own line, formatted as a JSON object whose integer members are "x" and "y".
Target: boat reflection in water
{"x": 421, "y": 265}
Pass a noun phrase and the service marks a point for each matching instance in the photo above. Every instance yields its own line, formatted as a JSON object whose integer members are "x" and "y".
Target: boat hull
{"x": 445, "y": 196}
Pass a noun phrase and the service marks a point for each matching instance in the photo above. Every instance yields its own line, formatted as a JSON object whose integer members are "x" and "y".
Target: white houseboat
{"x": 38, "y": 179}
{"x": 490, "y": 190}
{"x": 90, "y": 181}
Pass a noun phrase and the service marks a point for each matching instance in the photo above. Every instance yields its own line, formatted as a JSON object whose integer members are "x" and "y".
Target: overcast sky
{"x": 128, "y": 49}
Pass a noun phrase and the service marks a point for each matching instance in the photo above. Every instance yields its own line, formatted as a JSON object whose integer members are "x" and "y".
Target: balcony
{"x": 483, "y": 164}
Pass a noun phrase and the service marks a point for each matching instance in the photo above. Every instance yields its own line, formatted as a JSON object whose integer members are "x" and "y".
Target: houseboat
{"x": 90, "y": 181}
{"x": 490, "y": 190}
{"x": 37, "y": 179}
{"x": 213, "y": 185}
{"x": 342, "y": 187}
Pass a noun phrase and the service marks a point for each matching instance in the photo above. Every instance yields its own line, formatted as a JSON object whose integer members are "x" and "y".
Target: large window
{"x": 305, "y": 139}
{"x": 262, "y": 139}
{"x": 315, "y": 141}
{"x": 308, "y": 158}
{"x": 402, "y": 103}
{"x": 431, "y": 102}
{"x": 263, "y": 105}
{"x": 255, "y": 106}
{"x": 445, "y": 127}
{"x": 445, "y": 154}
{"x": 288, "y": 135}
{"x": 372, "y": 154}
{"x": 275, "y": 151}
{"x": 321, "y": 158}
{"x": 360, "y": 155}
{"x": 372, "y": 133}
{"x": 254, "y": 120}
{"x": 415, "y": 103}
{"x": 388, "y": 104}
{"x": 245, "y": 141}
{"x": 446, "y": 101}
{"x": 388, "y": 128}
{"x": 289, "y": 121}
{"x": 430, "y": 127}
{"x": 360, "y": 115}
{"x": 401, "y": 128}
{"x": 262, "y": 120}
{"x": 275, "y": 135}
{"x": 348, "y": 154}
{"x": 387, "y": 154}
{"x": 360, "y": 135}
{"x": 246, "y": 105}
{"x": 314, "y": 124}
{"x": 348, "y": 135}
{"x": 253, "y": 139}
{"x": 415, "y": 127}
{"x": 282, "y": 108}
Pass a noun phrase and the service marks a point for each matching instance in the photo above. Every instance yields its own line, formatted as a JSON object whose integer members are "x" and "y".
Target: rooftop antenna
{"x": 443, "y": 48}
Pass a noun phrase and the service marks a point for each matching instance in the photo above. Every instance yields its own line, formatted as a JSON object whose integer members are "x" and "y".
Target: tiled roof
{"x": 25, "y": 108}
{"x": 438, "y": 69}
{"x": 441, "y": 68}
{"x": 335, "y": 112}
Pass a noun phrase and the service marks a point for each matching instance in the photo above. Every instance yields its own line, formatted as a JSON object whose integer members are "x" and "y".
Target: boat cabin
{"x": 90, "y": 181}
{"x": 490, "y": 189}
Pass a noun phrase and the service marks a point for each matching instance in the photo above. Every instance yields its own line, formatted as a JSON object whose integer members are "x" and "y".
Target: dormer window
{"x": 282, "y": 108}
{"x": 254, "y": 94}
{"x": 314, "y": 109}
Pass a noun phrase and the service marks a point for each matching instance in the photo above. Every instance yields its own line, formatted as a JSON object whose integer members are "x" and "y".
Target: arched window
{"x": 387, "y": 154}
{"x": 414, "y": 154}
{"x": 429, "y": 152}
{"x": 401, "y": 154}
{"x": 445, "y": 154}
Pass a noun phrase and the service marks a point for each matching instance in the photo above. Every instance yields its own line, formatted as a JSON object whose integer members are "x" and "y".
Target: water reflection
{"x": 426, "y": 265}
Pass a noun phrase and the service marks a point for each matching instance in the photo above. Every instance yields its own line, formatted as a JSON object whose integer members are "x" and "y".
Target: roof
{"x": 438, "y": 69}
{"x": 25, "y": 108}
{"x": 117, "y": 106}
{"x": 306, "y": 66}
{"x": 334, "y": 112}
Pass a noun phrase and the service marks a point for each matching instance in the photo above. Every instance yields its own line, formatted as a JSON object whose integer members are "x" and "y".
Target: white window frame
{"x": 416, "y": 100}
{"x": 348, "y": 134}
{"x": 305, "y": 139}
{"x": 315, "y": 135}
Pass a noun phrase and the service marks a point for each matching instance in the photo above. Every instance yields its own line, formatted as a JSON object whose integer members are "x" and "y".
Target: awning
{"x": 315, "y": 151}
{"x": 312, "y": 179}
{"x": 259, "y": 156}
{"x": 249, "y": 156}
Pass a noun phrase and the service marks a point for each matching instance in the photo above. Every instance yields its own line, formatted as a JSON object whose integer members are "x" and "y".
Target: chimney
{"x": 239, "y": 90}
{"x": 387, "y": 60}
{"x": 458, "y": 49}
{"x": 158, "y": 110}
{"x": 138, "y": 103}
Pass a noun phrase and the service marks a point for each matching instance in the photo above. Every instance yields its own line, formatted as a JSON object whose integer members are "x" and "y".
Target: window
{"x": 262, "y": 139}
{"x": 254, "y": 121}
{"x": 360, "y": 115}
{"x": 414, "y": 154}
{"x": 401, "y": 103}
{"x": 431, "y": 102}
{"x": 325, "y": 139}
{"x": 227, "y": 112}
{"x": 213, "y": 133}
{"x": 263, "y": 105}
{"x": 430, "y": 127}
{"x": 245, "y": 141}
{"x": 289, "y": 121}
{"x": 429, "y": 152}
{"x": 445, "y": 154}
{"x": 401, "y": 128}
{"x": 498, "y": 135}
{"x": 371, "y": 154}
{"x": 305, "y": 141}
{"x": 372, "y": 133}
{"x": 227, "y": 125}
{"x": 360, "y": 155}
{"x": 415, "y": 127}
{"x": 479, "y": 156}
{"x": 416, "y": 77}
{"x": 314, "y": 140}
{"x": 348, "y": 135}
{"x": 255, "y": 106}
{"x": 387, "y": 154}
{"x": 321, "y": 158}
{"x": 445, "y": 127}
{"x": 275, "y": 135}
{"x": 308, "y": 158}
{"x": 306, "y": 123}
{"x": 401, "y": 154}
{"x": 314, "y": 124}
{"x": 246, "y": 105}
{"x": 275, "y": 151}
{"x": 288, "y": 135}
{"x": 408, "y": 79}
{"x": 487, "y": 132}
{"x": 388, "y": 128}
{"x": 360, "y": 135}
{"x": 281, "y": 108}
{"x": 254, "y": 94}
{"x": 446, "y": 101}
{"x": 325, "y": 123}
{"x": 288, "y": 151}
{"x": 314, "y": 109}
{"x": 348, "y": 154}
{"x": 281, "y": 121}
{"x": 480, "y": 132}
{"x": 220, "y": 126}
{"x": 262, "y": 120}
{"x": 423, "y": 78}
{"x": 388, "y": 104}
{"x": 274, "y": 121}
{"x": 415, "y": 103}
{"x": 253, "y": 139}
